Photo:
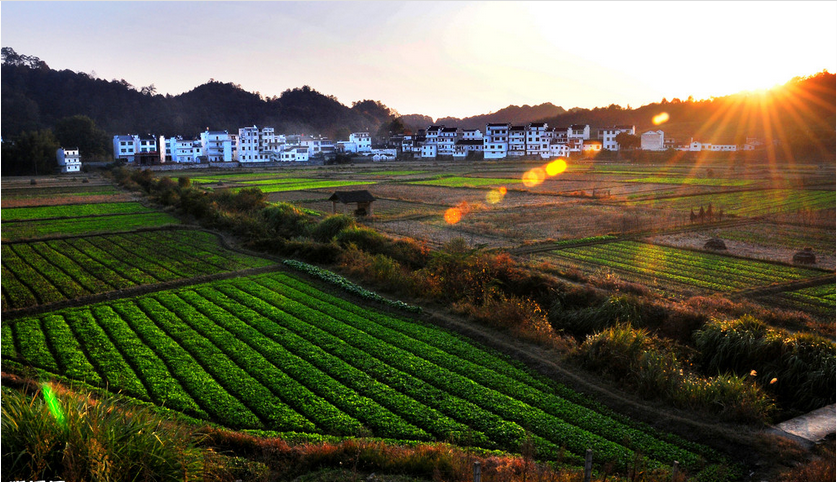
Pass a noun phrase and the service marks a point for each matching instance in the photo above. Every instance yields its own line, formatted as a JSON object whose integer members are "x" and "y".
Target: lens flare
{"x": 556, "y": 167}
{"x": 533, "y": 177}
{"x": 53, "y": 404}
{"x": 502, "y": 190}
{"x": 495, "y": 195}
{"x": 661, "y": 118}
{"x": 453, "y": 215}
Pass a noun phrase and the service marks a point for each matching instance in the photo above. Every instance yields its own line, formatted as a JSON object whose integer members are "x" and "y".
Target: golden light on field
{"x": 660, "y": 118}
{"x": 533, "y": 177}
{"x": 453, "y": 215}
{"x": 556, "y": 167}
{"x": 495, "y": 195}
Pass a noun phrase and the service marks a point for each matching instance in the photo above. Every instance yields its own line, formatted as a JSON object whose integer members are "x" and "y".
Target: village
{"x": 259, "y": 146}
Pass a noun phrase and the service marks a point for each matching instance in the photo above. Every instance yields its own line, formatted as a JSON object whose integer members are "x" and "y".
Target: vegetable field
{"x": 272, "y": 352}
{"x": 749, "y": 203}
{"x": 50, "y": 271}
{"x": 457, "y": 181}
{"x": 817, "y": 299}
{"x": 72, "y": 211}
{"x": 85, "y": 225}
{"x": 671, "y": 265}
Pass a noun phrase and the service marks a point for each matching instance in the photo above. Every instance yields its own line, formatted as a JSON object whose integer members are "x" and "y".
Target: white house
{"x": 558, "y": 149}
{"x": 446, "y": 141}
{"x": 608, "y": 136}
{"x": 652, "y": 141}
{"x": 591, "y": 146}
{"x": 537, "y": 140}
{"x": 471, "y": 134}
{"x": 431, "y": 136}
{"x": 465, "y": 146}
{"x": 517, "y": 141}
{"x": 295, "y": 154}
{"x": 257, "y": 145}
{"x": 68, "y": 159}
{"x": 362, "y": 141}
{"x": 428, "y": 151}
{"x": 217, "y": 146}
{"x": 496, "y": 141}
{"x": 125, "y": 147}
{"x": 578, "y": 131}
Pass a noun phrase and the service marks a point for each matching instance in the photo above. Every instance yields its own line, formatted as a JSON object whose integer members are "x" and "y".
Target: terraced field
{"x": 72, "y": 211}
{"x": 661, "y": 265}
{"x": 64, "y": 269}
{"x": 272, "y": 352}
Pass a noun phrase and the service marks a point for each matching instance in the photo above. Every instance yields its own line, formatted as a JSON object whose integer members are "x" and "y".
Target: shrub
{"x": 286, "y": 220}
{"x": 581, "y": 322}
{"x": 82, "y": 439}
{"x": 329, "y": 227}
{"x": 365, "y": 239}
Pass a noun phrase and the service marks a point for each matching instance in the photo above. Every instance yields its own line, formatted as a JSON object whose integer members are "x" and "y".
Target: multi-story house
{"x": 69, "y": 160}
{"x": 295, "y": 154}
{"x": 496, "y": 141}
{"x": 537, "y": 140}
{"x": 362, "y": 141}
{"x": 431, "y": 136}
{"x": 257, "y": 145}
{"x": 125, "y": 147}
{"x": 471, "y": 134}
{"x": 446, "y": 141}
{"x": 464, "y": 147}
{"x": 608, "y": 136}
{"x": 652, "y": 141}
{"x": 428, "y": 151}
{"x": 578, "y": 131}
{"x": 517, "y": 141}
{"x": 217, "y": 146}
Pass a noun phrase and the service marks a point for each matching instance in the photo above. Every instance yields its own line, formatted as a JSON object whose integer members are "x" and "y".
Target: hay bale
{"x": 806, "y": 256}
{"x": 716, "y": 244}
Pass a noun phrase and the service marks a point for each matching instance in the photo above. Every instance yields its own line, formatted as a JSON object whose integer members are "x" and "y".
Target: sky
{"x": 437, "y": 58}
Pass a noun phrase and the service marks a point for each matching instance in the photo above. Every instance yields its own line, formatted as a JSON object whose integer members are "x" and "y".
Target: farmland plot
{"x": 272, "y": 352}
{"x": 86, "y": 225}
{"x": 664, "y": 266}
{"x": 50, "y": 271}
{"x": 749, "y": 203}
{"x": 72, "y": 211}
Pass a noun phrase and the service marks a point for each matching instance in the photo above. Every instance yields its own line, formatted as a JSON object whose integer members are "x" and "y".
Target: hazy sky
{"x": 437, "y": 58}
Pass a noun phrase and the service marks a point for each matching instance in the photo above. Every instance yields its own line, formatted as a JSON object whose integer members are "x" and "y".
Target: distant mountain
{"x": 414, "y": 122}
{"x": 512, "y": 114}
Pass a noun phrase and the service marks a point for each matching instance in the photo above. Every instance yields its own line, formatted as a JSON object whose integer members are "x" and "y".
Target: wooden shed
{"x": 363, "y": 199}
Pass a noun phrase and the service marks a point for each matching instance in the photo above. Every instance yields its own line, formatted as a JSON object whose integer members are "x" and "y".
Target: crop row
{"x": 273, "y": 352}
{"x": 88, "y": 225}
{"x": 49, "y": 271}
{"x": 457, "y": 181}
{"x": 692, "y": 181}
{"x": 704, "y": 270}
{"x": 72, "y": 210}
{"x": 750, "y": 203}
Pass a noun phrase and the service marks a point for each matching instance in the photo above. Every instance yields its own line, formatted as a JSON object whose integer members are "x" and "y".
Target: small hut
{"x": 716, "y": 244}
{"x": 363, "y": 199}
{"x": 806, "y": 256}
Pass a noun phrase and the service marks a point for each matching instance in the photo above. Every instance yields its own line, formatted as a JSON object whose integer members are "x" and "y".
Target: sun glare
{"x": 453, "y": 215}
{"x": 533, "y": 177}
{"x": 661, "y": 118}
{"x": 556, "y": 167}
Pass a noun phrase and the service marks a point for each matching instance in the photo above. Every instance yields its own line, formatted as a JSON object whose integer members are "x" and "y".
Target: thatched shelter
{"x": 363, "y": 199}
{"x": 806, "y": 256}
{"x": 716, "y": 244}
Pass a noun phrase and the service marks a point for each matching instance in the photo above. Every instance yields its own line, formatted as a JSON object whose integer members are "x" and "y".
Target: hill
{"x": 512, "y": 114}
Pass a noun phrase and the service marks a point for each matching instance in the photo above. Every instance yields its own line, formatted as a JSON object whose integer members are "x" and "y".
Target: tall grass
{"x": 799, "y": 368}
{"x": 643, "y": 361}
{"x": 55, "y": 434}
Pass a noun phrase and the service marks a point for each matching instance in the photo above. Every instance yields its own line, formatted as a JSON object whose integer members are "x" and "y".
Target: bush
{"x": 582, "y": 322}
{"x": 81, "y": 439}
{"x": 331, "y": 226}
{"x": 365, "y": 239}
{"x": 286, "y": 220}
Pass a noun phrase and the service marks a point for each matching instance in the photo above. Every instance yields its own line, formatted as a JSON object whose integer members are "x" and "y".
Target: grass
{"x": 693, "y": 181}
{"x": 458, "y": 181}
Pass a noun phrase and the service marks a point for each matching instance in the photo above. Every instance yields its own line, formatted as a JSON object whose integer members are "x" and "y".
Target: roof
{"x": 497, "y": 124}
{"x": 450, "y": 129}
{"x": 344, "y": 197}
{"x": 578, "y": 126}
{"x": 469, "y": 142}
{"x": 537, "y": 124}
{"x": 518, "y": 128}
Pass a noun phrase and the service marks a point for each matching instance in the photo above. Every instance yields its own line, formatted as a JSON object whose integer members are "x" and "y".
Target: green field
{"x": 41, "y": 192}
{"x": 817, "y": 299}
{"x": 749, "y": 203}
{"x": 301, "y": 185}
{"x": 272, "y": 352}
{"x": 692, "y": 181}
{"x": 702, "y": 270}
{"x": 71, "y": 210}
{"x": 88, "y": 225}
{"x": 50, "y": 271}
{"x": 457, "y": 181}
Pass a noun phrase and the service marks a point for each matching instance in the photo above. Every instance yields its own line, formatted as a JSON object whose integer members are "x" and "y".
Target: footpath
{"x": 810, "y": 428}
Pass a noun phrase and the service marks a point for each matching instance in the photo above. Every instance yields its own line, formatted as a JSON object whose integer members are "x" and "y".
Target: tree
{"x": 32, "y": 152}
{"x": 80, "y": 131}
{"x": 628, "y": 142}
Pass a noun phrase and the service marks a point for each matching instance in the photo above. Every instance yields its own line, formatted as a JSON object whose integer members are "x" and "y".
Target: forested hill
{"x": 512, "y": 114}
{"x": 36, "y": 97}
{"x": 800, "y": 112}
